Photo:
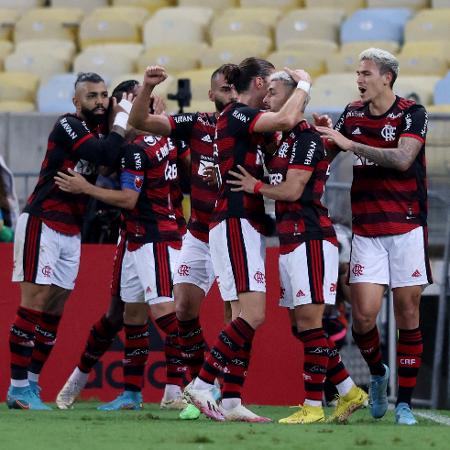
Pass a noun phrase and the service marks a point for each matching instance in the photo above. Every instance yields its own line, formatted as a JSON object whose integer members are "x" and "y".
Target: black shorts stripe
{"x": 162, "y": 269}
{"x": 237, "y": 254}
{"x": 315, "y": 262}
{"x": 426, "y": 255}
{"x": 117, "y": 265}
{"x": 31, "y": 248}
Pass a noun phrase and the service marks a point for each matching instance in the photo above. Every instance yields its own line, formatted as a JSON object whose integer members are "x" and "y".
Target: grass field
{"x": 85, "y": 428}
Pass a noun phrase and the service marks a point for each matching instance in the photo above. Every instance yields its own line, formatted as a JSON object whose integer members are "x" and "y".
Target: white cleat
{"x": 204, "y": 400}
{"x": 71, "y": 390}
{"x": 242, "y": 414}
{"x": 178, "y": 403}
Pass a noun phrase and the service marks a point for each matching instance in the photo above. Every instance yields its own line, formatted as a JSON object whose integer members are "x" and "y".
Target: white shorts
{"x": 309, "y": 274}
{"x": 147, "y": 274}
{"x": 117, "y": 263}
{"x": 194, "y": 264}
{"x": 237, "y": 253}
{"x": 396, "y": 261}
{"x": 43, "y": 255}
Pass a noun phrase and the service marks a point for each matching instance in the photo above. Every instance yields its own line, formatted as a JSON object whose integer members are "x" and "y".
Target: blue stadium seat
{"x": 55, "y": 95}
{"x": 379, "y": 24}
{"x": 441, "y": 93}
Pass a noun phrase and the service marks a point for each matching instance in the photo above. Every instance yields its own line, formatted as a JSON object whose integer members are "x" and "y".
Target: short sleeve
{"x": 133, "y": 171}
{"x": 415, "y": 123}
{"x": 72, "y": 132}
{"x": 242, "y": 120}
{"x": 306, "y": 152}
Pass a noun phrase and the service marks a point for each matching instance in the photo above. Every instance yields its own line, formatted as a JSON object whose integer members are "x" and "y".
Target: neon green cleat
{"x": 191, "y": 412}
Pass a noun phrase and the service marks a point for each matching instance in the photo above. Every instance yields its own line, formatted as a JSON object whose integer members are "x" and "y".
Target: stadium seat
{"x": 173, "y": 58}
{"x": 200, "y": 15}
{"x": 200, "y": 83}
{"x": 284, "y": 5}
{"x": 161, "y": 90}
{"x": 109, "y": 64}
{"x": 301, "y": 24}
{"x": 413, "y": 4}
{"x": 22, "y": 5}
{"x": 348, "y": 5}
{"x": 216, "y": 5}
{"x": 58, "y": 48}
{"x": 376, "y": 27}
{"x": 150, "y": 5}
{"x": 310, "y": 45}
{"x": 419, "y": 88}
{"x": 431, "y": 48}
{"x": 441, "y": 93}
{"x": 214, "y": 57}
{"x": 444, "y": 108}
{"x": 86, "y": 5}
{"x": 18, "y": 107}
{"x": 429, "y": 25}
{"x": 165, "y": 30}
{"x": 253, "y": 45}
{"x": 18, "y": 86}
{"x": 332, "y": 92}
{"x": 422, "y": 64}
{"x": 440, "y": 3}
{"x": 48, "y": 23}
{"x": 8, "y": 19}
{"x": 112, "y": 25}
{"x": 398, "y": 16}
{"x": 269, "y": 16}
{"x": 55, "y": 95}
{"x": 223, "y": 26}
{"x": 41, "y": 63}
{"x": 5, "y": 49}
{"x": 313, "y": 63}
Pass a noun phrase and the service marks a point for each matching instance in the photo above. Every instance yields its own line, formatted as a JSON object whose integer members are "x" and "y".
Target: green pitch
{"x": 85, "y": 428}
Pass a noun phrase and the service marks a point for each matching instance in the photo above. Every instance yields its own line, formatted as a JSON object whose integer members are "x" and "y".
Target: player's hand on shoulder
{"x": 72, "y": 182}
{"x": 323, "y": 120}
{"x": 154, "y": 75}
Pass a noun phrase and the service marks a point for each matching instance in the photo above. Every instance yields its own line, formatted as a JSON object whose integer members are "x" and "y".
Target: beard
{"x": 92, "y": 118}
{"x": 220, "y": 106}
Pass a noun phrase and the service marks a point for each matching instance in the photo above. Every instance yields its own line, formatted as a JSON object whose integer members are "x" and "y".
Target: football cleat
{"x": 190, "y": 412}
{"x": 24, "y": 398}
{"x": 355, "y": 399}
{"x": 242, "y": 414}
{"x": 306, "y": 414}
{"x": 177, "y": 403}
{"x": 378, "y": 394}
{"x": 128, "y": 400}
{"x": 404, "y": 415}
{"x": 204, "y": 400}
{"x": 69, "y": 393}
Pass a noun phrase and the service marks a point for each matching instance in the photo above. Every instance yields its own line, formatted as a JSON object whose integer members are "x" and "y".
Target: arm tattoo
{"x": 399, "y": 158}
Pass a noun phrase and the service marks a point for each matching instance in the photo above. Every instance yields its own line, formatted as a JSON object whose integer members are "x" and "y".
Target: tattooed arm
{"x": 399, "y": 158}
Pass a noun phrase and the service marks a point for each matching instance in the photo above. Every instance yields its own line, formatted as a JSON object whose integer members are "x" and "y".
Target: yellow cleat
{"x": 347, "y": 404}
{"x": 306, "y": 414}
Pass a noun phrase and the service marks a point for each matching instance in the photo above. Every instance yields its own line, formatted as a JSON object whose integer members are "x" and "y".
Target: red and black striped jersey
{"x": 183, "y": 151}
{"x": 306, "y": 218}
{"x": 235, "y": 144}
{"x": 71, "y": 145}
{"x": 386, "y": 201}
{"x": 149, "y": 166}
{"x": 197, "y": 129}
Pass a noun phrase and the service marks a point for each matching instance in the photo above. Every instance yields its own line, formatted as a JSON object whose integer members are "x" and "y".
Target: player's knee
{"x": 257, "y": 319}
{"x": 407, "y": 317}
{"x": 185, "y": 310}
{"x": 362, "y": 322}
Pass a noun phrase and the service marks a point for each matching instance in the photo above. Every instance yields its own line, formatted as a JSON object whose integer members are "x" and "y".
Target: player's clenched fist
{"x": 154, "y": 75}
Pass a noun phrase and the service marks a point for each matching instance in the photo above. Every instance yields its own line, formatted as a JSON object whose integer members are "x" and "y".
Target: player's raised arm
{"x": 140, "y": 117}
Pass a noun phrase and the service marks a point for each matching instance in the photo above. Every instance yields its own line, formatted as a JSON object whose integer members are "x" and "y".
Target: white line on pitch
{"x": 443, "y": 420}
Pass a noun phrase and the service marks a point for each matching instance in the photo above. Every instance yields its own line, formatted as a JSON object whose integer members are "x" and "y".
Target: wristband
{"x": 121, "y": 120}
{"x": 259, "y": 184}
{"x": 304, "y": 86}
{"x": 126, "y": 105}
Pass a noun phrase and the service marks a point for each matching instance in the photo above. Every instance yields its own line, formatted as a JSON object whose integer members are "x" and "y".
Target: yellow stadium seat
{"x": 440, "y": 3}
{"x": 313, "y": 63}
{"x": 254, "y": 45}
{"x": 8, "y": 19}
{"x": 173, "y": 58}
{"x": 41, "y": 63}
{"x": 431, "y": 48}
{"x": 200, "y": 15}
{"x": 413, "y": 4}
{"x": 216, "y": 5}
{"x": 161, "y": 90}
{"x": 419, "y": 88}
{"x": 133, "y": 14}
{"x": 332, "y": 92}
{"x": 310, "y": 45}
{"x": 214, "y": 57}
{"x": 58, "y": 48}
{"x": 422, "y": 64}
{"x": 355, "y": 48}
{"x": 427, "y": 29}
{"x": 444, "y": 108}
{"x": 284, "y": 5}
{"x": 18, "y": 86}
{"x": 299, "y": 24}
{"x": 269, "y": 16}
{"x": 6, "y": 48}
{"x": 223, "y": 26}
{"x": 22, "y": 5}
{"x": 200, "y": 83}
{"x": 109, "y": 64}
{"x": 48, "y": 23}
{"x": 19, "y": 107}
{"x": 86, "y": 5}
{"x": 150, "y": 5}
{"x": 348, "y": 5}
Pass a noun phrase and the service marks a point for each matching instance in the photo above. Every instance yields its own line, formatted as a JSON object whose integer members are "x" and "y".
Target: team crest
{"x": 138, "y": 182}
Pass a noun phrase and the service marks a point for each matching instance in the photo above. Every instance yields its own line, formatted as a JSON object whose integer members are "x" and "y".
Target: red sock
{"x": 229, "y": 343}
{"x": 45, "y": 340}
{"x": 369, "y": 346}
{"x": 192, "y": 344}
{"x": 99, "y": 340}
{"x": 175, "y": 368}
{"x": 137, "y": 348}
{"x": 409, "y": 359}
{"x": 21, "y": 341}
{"x": 315, "y": 348}
{"x": 336, "y": 371}
{"x": 236, "y": 372}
